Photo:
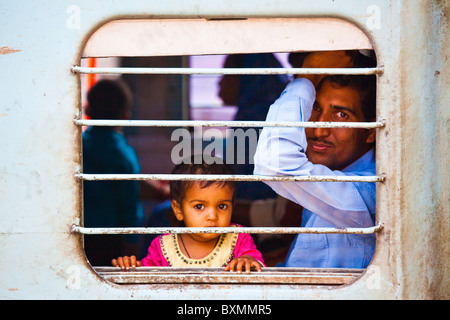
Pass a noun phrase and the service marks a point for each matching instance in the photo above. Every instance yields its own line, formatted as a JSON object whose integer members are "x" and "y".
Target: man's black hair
{"x": 366, "y": 86}
{"x": 108, "y": 99}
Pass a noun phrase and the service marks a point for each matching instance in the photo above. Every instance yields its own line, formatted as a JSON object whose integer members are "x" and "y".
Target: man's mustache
{"x": 321, "y": 141}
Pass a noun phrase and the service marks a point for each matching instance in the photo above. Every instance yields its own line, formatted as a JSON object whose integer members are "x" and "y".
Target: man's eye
{"x": 223, "y": 206}
{"x": 199, "y": 206}
{"x": 341, "y": 114}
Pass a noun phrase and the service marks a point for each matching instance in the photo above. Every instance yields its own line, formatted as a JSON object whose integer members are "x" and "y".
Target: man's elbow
{"x": 264, "y": 165}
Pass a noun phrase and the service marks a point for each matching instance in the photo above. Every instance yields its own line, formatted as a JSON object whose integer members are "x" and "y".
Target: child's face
{"x": 206, "y": 207}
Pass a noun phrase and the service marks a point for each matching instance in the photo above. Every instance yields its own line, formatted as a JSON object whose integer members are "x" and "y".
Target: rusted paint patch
{"x": 7, "y": 50}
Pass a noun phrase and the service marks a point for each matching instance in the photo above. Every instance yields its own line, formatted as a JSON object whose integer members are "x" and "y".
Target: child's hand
{"x": 243, "y": 261}
{"x": 125, "y": 263}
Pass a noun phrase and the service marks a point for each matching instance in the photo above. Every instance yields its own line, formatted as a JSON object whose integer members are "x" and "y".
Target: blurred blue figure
{"x": 105, "y": 150}
{"x": 253, "y": 95}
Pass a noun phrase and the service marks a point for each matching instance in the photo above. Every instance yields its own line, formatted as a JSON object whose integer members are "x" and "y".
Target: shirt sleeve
{"x": 155, "y": 257}
{"x": 246, "y": 246}
{"x": 281, "y": 151}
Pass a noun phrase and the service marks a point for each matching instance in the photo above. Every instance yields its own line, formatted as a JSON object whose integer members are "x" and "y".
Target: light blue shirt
{"x": 281, "y": 151}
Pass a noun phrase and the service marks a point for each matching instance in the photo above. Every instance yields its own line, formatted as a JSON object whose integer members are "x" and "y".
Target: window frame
{"x": 271, "y": 275}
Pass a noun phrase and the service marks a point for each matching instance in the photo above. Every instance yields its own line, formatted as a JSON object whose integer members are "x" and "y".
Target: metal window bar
{"x": 212, "y": 177}
{"x": 220, "y": 71}
{"x": 206, "y": 123}
{"x": 254, "y": 230}
{"x": 177, "y": 123}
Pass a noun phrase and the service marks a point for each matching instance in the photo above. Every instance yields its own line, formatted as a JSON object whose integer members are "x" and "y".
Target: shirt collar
{"x": 365, "y": 163}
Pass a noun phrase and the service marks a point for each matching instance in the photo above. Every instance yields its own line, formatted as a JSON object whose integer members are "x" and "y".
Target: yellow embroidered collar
{"x": 220, "y": 256}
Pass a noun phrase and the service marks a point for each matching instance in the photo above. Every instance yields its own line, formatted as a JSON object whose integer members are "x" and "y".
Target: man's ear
{"x": 371, "y": 136}
{"x": 125, "y": 114}
{"x": 177, "y": 210}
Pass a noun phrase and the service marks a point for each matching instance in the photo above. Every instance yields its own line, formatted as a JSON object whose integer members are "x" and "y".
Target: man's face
{"x": 229, "y": 89}
{"x": 337, "y": 148}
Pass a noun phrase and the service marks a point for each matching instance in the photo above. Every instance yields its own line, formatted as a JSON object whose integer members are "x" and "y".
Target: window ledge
{"x": 160, "y": 275}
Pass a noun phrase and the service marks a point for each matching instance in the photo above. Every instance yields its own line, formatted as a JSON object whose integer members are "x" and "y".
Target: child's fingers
{"x": 133, "y": 261}
{"x": 120, "y": 262}
{"x": 241, "y": 263}
{"x": 248, "y": 266}
{"x": 230, "y": 266}
{"x": 126, "y": 262}
{"x": 123, "y": 262}
{"x": 257, "y": 265}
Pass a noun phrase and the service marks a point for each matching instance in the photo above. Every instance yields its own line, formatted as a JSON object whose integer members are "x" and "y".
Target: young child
{"x": 201, "y": 204}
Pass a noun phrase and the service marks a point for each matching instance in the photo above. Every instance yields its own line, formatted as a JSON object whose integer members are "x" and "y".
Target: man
{"x": 325, "y": 151}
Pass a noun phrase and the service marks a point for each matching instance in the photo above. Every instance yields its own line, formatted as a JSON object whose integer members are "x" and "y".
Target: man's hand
{"x": 326, "y": 59}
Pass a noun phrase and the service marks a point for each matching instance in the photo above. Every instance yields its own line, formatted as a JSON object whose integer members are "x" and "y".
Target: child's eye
{"x": 199, "y": 206}
{"x": 223, "y": 206}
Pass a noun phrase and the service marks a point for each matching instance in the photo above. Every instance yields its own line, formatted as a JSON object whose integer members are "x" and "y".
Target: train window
{"x": 173, "y": 68}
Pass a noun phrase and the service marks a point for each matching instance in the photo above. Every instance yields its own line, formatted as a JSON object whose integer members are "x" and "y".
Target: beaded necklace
{"x": 220, "y": 256}
{"x": 186, "y": 250}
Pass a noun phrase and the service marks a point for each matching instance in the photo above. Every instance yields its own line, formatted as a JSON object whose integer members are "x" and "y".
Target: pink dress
{"x": 164, "y": 251}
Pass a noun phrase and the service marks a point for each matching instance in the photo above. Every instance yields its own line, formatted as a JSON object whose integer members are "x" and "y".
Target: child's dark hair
{"x": 197, "y": 165}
